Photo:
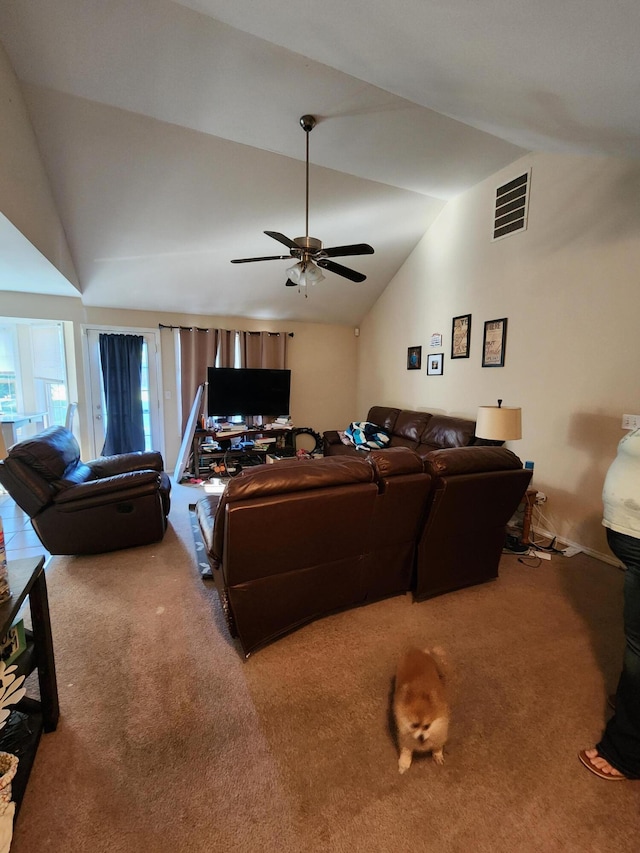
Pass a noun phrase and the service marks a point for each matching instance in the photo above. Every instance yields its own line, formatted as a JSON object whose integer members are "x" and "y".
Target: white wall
{"x": 25, "y": 194}
{"x": 569, "y": 288}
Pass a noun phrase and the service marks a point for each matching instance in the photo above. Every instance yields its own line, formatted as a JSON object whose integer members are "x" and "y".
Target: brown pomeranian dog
{"x": 420, "y": 705}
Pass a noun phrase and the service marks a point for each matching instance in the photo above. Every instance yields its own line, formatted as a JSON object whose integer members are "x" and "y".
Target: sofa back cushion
{"x": 384, "y": 416}
{"x": 445, "y": 431}
{"x": 297, "y": 475}
{"x": 409, "y": 428}
{"x": 285, "y": 477}
{"x": 51, "y": 453}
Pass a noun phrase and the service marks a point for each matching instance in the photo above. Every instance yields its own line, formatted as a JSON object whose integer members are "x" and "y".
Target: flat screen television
{"x": 247, "y": 391}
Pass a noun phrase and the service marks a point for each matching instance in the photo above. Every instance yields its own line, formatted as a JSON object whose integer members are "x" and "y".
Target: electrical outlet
{"x": 630, "y": 421}
{"x": 540, "y": 497}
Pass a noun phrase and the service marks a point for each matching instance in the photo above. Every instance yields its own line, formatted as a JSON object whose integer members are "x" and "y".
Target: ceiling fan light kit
{"x": 308, "y": 251}
{"x": 303, "y": 274}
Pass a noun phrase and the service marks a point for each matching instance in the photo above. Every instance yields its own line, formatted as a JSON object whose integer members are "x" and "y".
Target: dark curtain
{"x": 121, "y": 360}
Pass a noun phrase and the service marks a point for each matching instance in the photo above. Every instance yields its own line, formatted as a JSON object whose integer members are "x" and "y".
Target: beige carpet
{"x": 170, "y": 741}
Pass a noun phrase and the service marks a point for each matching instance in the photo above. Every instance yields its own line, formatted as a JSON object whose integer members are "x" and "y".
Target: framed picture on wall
{"x": 461, "y": 336}
{"x": 494, "y": 343}
{"x": 435, "y": 364}
{"x": 414, "y": 358}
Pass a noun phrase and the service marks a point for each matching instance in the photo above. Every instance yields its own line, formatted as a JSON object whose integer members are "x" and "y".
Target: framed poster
{"x": 494, "y": 343}
{"x": 414, "y": 358}
{"x": 435, "y": 364}
{"x": 461, "y": 336}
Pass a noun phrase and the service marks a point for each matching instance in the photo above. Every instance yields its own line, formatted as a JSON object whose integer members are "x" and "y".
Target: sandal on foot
{"x": 584, "y": 758}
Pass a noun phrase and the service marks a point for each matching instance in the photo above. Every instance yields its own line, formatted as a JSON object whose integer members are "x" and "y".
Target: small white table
{"x": 12, "y": 424}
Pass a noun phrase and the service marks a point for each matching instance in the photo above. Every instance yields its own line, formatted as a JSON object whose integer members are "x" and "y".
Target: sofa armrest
{"x": 331, "y": 436}
{"x": 120, "y": 487}
{"x": 470, "y": 460}
{"x": 123, "y": 463}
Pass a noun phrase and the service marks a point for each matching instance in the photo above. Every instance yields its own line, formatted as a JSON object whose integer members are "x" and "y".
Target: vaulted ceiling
{"x": 170, "y": 131}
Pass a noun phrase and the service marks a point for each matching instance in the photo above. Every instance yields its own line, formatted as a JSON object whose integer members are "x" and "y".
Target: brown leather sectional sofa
{"x": 419, "y": 431}
{"x": 296, "y": 540}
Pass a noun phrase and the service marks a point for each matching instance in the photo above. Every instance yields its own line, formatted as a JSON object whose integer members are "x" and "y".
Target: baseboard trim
{"x": 590, "y": 552}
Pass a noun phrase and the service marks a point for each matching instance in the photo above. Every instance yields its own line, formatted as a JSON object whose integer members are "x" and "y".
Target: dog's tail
{"x": 439, "y": 657}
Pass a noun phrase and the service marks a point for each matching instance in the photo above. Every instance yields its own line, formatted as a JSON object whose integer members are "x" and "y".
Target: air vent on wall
{"x": 512, "y": 201}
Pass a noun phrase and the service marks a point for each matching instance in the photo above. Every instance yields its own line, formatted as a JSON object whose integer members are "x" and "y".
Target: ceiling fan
{"x": 308, "y": 251}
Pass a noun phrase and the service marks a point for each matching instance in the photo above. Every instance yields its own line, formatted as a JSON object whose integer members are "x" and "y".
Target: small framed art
{"x": 461, "y": 336}
{"x": 414, "y": 358}
{"x": 435, "y": 364}
{"x": 494, "y": 343}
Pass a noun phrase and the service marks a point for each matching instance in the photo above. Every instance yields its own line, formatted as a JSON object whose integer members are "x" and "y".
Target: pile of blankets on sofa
{"x": 364, "y": 435}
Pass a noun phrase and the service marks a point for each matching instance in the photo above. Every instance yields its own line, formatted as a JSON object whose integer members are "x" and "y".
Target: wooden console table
{"x": 27, "y": 579}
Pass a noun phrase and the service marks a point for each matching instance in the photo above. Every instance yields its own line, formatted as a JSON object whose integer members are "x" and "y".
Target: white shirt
{"x": 621, "y": 492}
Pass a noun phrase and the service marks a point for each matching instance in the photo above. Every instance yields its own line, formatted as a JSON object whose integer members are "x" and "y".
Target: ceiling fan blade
{"x": 268, "y": 258}
{"x": 282, "y": 239}
{"x": 340, "y": 270}
{"x": 343, "y": 251}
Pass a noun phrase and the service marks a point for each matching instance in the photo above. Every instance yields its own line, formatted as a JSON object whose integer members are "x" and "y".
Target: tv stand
{"x": 203, "y": 460}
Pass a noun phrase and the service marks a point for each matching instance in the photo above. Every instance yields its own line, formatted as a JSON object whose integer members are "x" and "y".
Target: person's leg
{"x": 620, "y": 744}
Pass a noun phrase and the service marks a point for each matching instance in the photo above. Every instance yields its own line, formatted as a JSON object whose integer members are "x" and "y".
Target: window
{"x": 33, "y": 374}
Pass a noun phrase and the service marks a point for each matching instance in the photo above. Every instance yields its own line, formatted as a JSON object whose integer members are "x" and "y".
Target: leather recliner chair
{"x": 80, "y": 507}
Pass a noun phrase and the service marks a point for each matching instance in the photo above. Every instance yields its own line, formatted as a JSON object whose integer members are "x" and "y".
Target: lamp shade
{"x": 499, "y": 423}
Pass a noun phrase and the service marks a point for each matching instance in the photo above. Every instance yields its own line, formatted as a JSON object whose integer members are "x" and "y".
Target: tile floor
{"x": 20, "y": 539}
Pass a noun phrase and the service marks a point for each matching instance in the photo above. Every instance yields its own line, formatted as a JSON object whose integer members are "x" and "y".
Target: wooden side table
{"x": 27, "y": 579}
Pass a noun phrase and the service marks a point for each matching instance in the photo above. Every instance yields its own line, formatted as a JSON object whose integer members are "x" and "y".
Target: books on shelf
{"x": 263, "y": 443}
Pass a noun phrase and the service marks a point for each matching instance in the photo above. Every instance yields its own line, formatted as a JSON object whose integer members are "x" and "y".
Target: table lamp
{"x": 499, "y": 423}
